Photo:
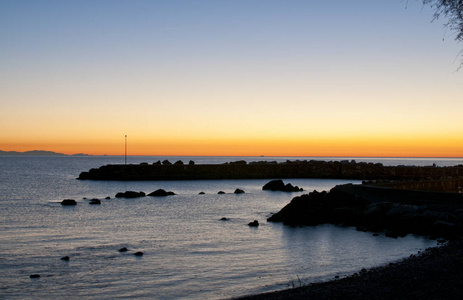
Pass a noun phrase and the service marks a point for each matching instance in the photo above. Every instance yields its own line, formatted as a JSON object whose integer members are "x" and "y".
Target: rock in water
{"x": 95, "y": 201}
{"x": 158, "y": 193}
{"x": 130, "y": 194}
{"x": 68, "y": 202}
{"x": 139, "y": 253}
{"x": 274, "y": 185}
{"x": 239, "y": 191}
{"x": 161, "y": 193}
{"x": 278, "y": 185}
{"x": 254, "y": 223}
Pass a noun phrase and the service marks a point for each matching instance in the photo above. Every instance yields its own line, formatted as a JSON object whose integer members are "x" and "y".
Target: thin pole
{"x": 126, "y": 149}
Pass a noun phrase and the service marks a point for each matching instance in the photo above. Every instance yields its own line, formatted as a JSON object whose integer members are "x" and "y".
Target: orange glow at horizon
{"x": 334, "y": 147}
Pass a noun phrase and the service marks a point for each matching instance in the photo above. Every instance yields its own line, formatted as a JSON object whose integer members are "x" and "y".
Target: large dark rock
{"x": 130, "y": 194}
{"x": 396, "y": 212}
{"x": 68, "y": 202}
{"x": 278, "y": 185}
{"x": 239, "y": 191}
{"x": 160, "y": 193}
{"x": 254, "y": 223}
{"x": 274, "y": 185}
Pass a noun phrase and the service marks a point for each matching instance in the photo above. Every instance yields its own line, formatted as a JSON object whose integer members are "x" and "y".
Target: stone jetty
{"x": 270, "y": 170}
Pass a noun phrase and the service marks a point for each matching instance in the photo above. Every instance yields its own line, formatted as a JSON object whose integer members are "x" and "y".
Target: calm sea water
{"x": 188, "y": 252}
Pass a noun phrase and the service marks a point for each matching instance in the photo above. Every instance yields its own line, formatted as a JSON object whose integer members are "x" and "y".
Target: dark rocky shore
{"x": 437, "y": 273}
{"x": 397, "y": 212}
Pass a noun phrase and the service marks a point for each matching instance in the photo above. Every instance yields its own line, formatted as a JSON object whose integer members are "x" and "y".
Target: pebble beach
{"x": 436, "y": 273}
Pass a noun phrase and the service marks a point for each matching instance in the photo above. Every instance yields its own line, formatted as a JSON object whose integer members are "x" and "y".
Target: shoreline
{"x": 435, "y": 273}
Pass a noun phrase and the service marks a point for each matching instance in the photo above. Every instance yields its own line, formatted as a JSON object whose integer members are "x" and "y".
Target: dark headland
{"x": 392, "y": 200}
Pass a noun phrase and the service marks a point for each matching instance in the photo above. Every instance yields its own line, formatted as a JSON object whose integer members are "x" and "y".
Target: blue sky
{"x": 205, "y": 70}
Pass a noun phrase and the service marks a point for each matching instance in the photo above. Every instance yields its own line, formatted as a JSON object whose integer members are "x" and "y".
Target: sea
{"x": 188, "y": 251}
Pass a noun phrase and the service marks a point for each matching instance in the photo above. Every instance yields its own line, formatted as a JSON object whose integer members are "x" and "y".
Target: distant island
{"x": 40, "y": 153}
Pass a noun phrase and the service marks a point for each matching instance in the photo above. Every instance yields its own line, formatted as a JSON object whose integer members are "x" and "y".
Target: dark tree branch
{"x": 452, "y": 10}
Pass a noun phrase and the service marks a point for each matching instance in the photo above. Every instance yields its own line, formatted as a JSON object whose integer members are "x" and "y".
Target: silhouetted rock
{"x": 158, "y": 193}
{"x": 221, "y": 192}
{"x": 191, "y": 163}
{"x": 107, "y": 198}
{"x": 396, "y": 212}
{"x": 123, "y": 249}
{"x": 161, "y": 193}
{"x": 65, "y": 258}
{"x": 254, "y": 223}
{"x": 239, "y": 191}
{"x": 391, "y": 234}
{"x": 95, "y": 201}
{"x": 278, "y": 185}
{"x": 201, "y": 193}
{"x": 139, "y": 253}
{"x": 239, "y": 162}
{"x": 157, "y": 163}
{"x": 68, "y": 202}
{"x": 274, "y": 185}
{"x": 35, "y": 276}
{"x": 130, "y": 194}
{"x": 224, "y": 219}
{"x": 178, "y": 162}
{"x": 166, "y": 162}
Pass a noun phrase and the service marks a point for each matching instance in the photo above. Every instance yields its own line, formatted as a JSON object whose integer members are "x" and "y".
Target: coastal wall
{"x": 441, "y": 185}
{"x": 269, "y": 170}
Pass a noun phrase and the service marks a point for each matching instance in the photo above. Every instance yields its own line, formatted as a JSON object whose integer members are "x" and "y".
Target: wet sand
{"x": 436, "y": 273}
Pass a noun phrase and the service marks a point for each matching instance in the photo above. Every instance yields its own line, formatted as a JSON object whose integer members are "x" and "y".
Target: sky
{"x": 229, "y": 78}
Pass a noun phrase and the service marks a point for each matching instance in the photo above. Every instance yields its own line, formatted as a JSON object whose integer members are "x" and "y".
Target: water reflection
{"x": 327, "y": 250}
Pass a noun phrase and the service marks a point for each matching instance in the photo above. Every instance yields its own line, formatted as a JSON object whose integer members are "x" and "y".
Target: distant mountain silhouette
{"x": 38, "y": 152}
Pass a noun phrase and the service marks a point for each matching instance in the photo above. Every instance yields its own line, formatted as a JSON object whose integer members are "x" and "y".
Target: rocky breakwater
{"x": 270, "y": 170}
{"x": 396, "y": 212}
